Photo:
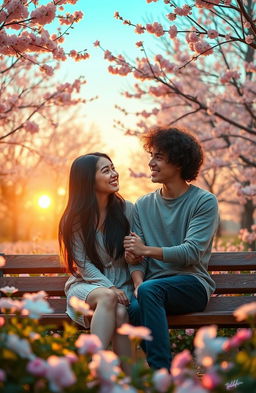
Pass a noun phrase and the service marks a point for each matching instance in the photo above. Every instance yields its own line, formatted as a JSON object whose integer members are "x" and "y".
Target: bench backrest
{"x": 31, "y": 273}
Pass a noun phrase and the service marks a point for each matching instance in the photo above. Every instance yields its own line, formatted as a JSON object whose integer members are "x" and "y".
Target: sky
{"x": 99, "y": 24}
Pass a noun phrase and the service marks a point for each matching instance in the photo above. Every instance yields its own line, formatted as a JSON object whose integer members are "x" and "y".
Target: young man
{"x": 173, "y": 230}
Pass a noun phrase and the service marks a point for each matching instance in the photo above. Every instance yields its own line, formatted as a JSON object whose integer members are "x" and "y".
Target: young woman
{"x": 91, "y": 234}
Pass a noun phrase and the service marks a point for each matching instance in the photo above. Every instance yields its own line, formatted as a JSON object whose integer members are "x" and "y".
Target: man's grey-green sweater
{"x": 184, "y": 228}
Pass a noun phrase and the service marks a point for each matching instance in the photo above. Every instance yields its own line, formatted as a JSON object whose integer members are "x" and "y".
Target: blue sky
{"x": 99, "y": 24}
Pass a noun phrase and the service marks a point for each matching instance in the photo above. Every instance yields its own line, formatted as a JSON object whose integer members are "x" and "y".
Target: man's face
{"x": 162, "y": 171}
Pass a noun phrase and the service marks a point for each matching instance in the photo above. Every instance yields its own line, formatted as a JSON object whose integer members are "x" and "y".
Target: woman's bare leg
{"x": 122, "y": 344}
{"x": 104, "y": 302}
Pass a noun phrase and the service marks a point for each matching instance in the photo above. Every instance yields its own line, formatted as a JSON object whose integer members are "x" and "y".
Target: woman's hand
{"x": 121, "y": 296}
{"x": 133, "y": 244}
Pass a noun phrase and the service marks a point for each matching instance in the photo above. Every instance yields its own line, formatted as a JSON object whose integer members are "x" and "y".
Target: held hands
{"x": 131, "y": 258}
{"x": 134, "y": 247}
{"x": 121, "y": 296}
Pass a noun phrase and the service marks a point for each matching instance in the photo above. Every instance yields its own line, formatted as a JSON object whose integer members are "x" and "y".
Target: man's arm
{"x": 202, "y": 227}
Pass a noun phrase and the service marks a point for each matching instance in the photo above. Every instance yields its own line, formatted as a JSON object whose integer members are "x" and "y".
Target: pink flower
{"x": 210, "y": 380}
{"x": 173, "y": 31}
{"x": 207, "y": 346}
{"x": 212, "y": 33}
{"x": 38, "y": 367}
{"x": 249, "y": 39}
{"x": 235, "y": 341}
{"x": 2, "y": 375}
{"x": 47, "y": 69}
{"x": 190, "y": 332}
{"x": 12, "y": 305}
{"x": 44, "y": 14}
{"x": 2, "y": 321}
{"x": 245, "y": 311}
{"x": 80, "y": 306}
{"x": 139, "y": 44}
{"x": 105, "y": 366}
{"x": 171, "y": 16}
{"x": 140, "y": 332}
{"x": 88, "y": 343}
{"x": 96, "y": 43}
{"x": 2, "y": 259}
{"x": 139, "y": 29}
{"x": 31, "y": 126}
{"x": 8, "y": 290}
{"x": 162, "y": 380}
{"x": 59, "y": 373}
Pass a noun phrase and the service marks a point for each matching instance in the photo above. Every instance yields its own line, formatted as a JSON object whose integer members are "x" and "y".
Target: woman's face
{"x": 106, "y": 178}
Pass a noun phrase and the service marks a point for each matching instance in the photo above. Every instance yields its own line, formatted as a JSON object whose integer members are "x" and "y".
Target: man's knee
{"x": 145, "y": 288}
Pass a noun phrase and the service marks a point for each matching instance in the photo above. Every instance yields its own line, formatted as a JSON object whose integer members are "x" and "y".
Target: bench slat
{"x": 34, "y": 263}
{"x": 219, "y": 311}
{"x": 54, "y": 286}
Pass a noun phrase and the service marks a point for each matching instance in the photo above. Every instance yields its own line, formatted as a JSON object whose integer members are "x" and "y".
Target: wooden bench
{"x": 232, "y": 289}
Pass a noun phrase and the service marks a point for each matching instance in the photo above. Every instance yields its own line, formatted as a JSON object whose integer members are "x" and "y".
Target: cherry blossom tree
{"x": 203, "y": 79}
{"x": 29, "y": 55}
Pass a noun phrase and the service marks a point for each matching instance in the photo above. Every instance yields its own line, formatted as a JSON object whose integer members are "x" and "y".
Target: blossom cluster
{"x": 57, "y": 362}
{"x": 23, "y": 29}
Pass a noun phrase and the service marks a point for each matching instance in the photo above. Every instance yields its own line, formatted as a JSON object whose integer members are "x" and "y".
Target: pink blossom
{"x": 212, "y": 33}
{"x": 12, "y": 305}
{"x": 207, "y": 4}
{"x": 249, "y": 39}
{"x": 152, "y": 1}
{"x": 59, "y": 373}
{"x": 210, "y": 380}
{"x": 96, "y": 43}
{"x": 173, "y": 31}
{"x": 2, "y": 375}
{"x": 40, "y": 295}
{"x": 235, "y": 341}
{"x": 2, "y": 261}
{"x": 2, "y": 321}
{"x": 37, "y": 366}
{"x": 184, "y": 11}
{"x": 245, "y": 311}
{"x": 105, "y": 366}
{"x": 207, "y": 346}
{"x": 162, "y": 380}
{"x": 80, "y": 306}
{"x": 171, "y": 16}
{"x": 88, "y": 343}
{"x": 192, "y": 37}
{"x": 139, "y": 29}
{"x": 47, "y": 69}
{"x": 8, "y": 290}
{"x": 203, "y": 48}
{"x": 44, "y": 14}
{"x": 31, "y": 126}
{"x": 228, "y": 75}
{"x": 190, "y": 332}
{"x": 139, "y": 44}
{"x": 133, "y": 332}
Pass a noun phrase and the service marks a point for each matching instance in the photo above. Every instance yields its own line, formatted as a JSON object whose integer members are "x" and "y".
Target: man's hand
{"x": 121, "y": 296}
{"x": 133, "y": 244}
{"x": 131, "y": 258}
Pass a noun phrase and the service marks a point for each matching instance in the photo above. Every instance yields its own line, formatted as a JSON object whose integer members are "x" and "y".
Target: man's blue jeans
{"x": 172, "y": 295}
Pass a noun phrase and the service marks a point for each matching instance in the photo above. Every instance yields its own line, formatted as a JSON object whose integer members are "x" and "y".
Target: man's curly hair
{"x": 182, "y": 149}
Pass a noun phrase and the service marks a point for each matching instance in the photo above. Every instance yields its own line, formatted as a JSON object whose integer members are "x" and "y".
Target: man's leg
{"x": 169, "y": 295}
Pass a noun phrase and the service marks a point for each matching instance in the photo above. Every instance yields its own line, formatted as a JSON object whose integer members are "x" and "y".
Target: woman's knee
{"x": 104, "y": 297}
{"x": 121, "y": 315}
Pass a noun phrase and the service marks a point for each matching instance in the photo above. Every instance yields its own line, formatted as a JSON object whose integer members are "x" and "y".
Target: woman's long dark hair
{"x": 82, "y": 215}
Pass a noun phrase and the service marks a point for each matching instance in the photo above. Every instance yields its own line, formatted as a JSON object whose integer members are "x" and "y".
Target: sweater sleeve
{"x": 86, "y": 269}
{"x": 136, "y": 227}
{"x": 199, "y": 235}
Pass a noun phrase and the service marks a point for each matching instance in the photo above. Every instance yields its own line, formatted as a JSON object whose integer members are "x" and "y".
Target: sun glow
{"x": 44, "y": 201}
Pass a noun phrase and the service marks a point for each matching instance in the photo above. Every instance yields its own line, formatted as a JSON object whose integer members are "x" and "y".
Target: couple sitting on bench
{"x": 141, "y": 262}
